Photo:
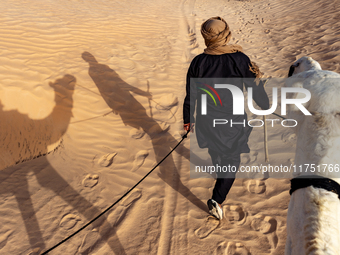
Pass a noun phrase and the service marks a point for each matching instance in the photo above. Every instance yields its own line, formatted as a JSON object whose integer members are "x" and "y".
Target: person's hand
{"x": 189, "y": 126}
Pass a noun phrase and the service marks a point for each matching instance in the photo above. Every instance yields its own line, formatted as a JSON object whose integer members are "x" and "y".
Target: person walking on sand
{"x": 225, "y": 143}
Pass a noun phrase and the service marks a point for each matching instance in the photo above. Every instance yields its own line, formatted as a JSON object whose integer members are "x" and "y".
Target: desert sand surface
{"x": 91, "y": 98}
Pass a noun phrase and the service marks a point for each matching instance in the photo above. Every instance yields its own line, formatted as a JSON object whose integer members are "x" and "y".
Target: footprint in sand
{"x": 135, "y": 195}
{"x": 159, "y": 128}
{"x": 245, "y": 159}
{"x": 69, "y": 221}
{"x": 35, "y": 251}
{"x": 221, "y": 249}
{"x": 192, "y": 40}
{"x": 88, "y": 242}
{"x": 90, "y": 180}
{"x": 235, "y": 214}
{"x": 114, "y": 218}
{"x": 232, "y": 248}
{"x": 249, "y": 157}
{"x": 253, "y": 156}
{"x": 119, "y": 214}
{"x": 266, "y": 225}
{"x": 107, "y": 159}
{"x": 167, "y": 102}
{"x": 237, "y": 249}
{"x": 139, "y": 159}
{"x": 136, "y": 133}
{"x": 210, "y": 224}
{"x": 288, "y": 137}
{"x": 256, "y": 186}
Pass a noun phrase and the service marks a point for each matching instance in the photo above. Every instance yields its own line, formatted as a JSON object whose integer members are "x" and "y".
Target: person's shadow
{"x": 25, "y": 139}
{"x": 116, "y": 94}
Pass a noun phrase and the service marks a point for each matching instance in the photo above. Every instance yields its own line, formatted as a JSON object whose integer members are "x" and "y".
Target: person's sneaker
{"x": 215, "y": 209}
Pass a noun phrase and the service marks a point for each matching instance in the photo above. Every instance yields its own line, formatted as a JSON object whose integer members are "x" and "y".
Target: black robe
{"x": 235, "y": 67}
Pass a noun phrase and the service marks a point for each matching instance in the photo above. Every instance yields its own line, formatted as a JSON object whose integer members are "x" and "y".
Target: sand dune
{"x": 91, "y": 98}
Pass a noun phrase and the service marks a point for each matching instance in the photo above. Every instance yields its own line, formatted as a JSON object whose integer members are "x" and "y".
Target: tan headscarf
{"x": 217, "y": 34}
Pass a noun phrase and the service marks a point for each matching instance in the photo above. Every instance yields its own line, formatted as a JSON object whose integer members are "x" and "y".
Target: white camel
{"x": 313, "y": 220}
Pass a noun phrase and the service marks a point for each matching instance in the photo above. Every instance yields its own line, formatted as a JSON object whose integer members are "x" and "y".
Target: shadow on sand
{"x": 116, "y": 94}
{"x": 33, "y": 137}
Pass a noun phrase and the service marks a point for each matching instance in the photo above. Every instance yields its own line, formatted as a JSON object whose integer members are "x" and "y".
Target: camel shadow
{"x": 116, "y": 94}
{"x": 25, "y": 139}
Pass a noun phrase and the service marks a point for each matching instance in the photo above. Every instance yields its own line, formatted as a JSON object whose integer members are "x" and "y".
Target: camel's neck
{"x": 25, "y": 138}
{"x": 62, "y": 112}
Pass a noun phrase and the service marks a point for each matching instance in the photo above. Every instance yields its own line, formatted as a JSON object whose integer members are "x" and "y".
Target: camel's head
{"x": 303, "y": 64}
